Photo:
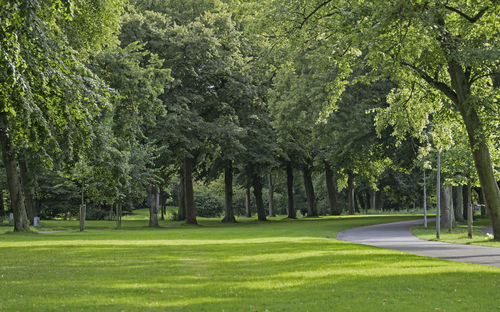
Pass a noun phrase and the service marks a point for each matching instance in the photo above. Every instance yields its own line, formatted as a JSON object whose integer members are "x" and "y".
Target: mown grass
{"x": 459, "y": 234}
{"x": 280, "y": 265}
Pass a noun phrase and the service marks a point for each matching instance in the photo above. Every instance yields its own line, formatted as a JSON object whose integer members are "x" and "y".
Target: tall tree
{"x": 48, "y": 98}
{"x": 448, "y": 47}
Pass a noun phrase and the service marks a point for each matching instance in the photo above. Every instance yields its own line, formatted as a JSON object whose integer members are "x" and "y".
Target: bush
{"x": 97, "y": 212}
{"x": 207, "y": 203}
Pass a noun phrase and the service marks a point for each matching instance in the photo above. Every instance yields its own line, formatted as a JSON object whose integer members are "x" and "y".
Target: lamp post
{"x": 438, "y": 206}
{"x": 425, "y": 202}
{"x": 438, "y": 191}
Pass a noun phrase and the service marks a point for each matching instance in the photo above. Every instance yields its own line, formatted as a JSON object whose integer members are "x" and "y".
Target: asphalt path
{"x": 397, "y": 236}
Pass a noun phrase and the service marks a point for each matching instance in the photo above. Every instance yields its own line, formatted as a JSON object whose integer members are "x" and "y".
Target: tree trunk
{"x": 188, "y": 191}
{"x": 292, "y": 213}
{"x": 2, "y": 205}
{"x": 111, "y": 212}
{"x": 181, "y": 213}
{"x": 257, "y": 192}
{"x": 331, "y": 189}
{"x": 477, "y": 140}
{"x": 465, "y": 197}
{"x": 20, "y": 218}
{"x": 362, "y": 203}
{"x": 469, "y": 211}
{"x": 350, "y": 192}
{"x": 153, "y": 215}
{"x": 26, "y": 183}
{"x": 373, "y": 200}
{"x": 162, "y": 204}
{"x": 308, "y": 185}
{"x": 228, "y": 194}
{"x": 157, "y": 203}
{"x": 248, "y": 211}
{"x": 271, "y": 195}
{"x": 458, "y": 203}
{"x": 367, "y": 200}
{"x": 118, "y": 216}
{"x": 356, "y": 203}
{"x": 83, "y": 215}
{"x": 83, "y": 210}
{"x": 447, "y": 207}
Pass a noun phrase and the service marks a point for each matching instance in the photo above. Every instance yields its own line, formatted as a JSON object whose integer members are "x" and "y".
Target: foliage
{"x": 208, "y": 204}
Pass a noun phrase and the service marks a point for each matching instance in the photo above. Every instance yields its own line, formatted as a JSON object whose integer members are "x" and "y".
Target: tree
{"x": 48, "y": 95}
{"x": 446, "y": 46}
{"x": 139, "y": 79}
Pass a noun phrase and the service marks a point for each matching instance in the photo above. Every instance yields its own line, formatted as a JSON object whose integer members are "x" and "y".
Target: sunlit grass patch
{"x": 459, "y": 234}
{"x": 280, "y": 265}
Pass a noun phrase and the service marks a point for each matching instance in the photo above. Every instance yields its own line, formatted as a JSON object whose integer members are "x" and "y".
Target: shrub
{"x": 207, "y": 203}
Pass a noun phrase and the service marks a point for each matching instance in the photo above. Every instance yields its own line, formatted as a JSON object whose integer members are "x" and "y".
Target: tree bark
{"x": 356, "y": 203}
{"x": 248, "y": 211}
{"x": 83, "y": 215}
{"x": 162, "y": 204}
{"x": 26, "y": 184}
{"x": 373, "y": 200}
{"x": 331, "y": 189}
{"x": 350, "y": 192}
{"x": 447, "y": 207}
{"x": 2, "y": 205}
{"x": 153, "y": 215}
{"x": 228, "y": 194}
{"x": 469, "y": 210}
{"x": 181, "y": 213}
{"x": 362, "y": 203}
{"x": 118, "y": 216}
{"x": 188, "y": 191}
{"x": 477, "y": 142}
{"x": 157, "y": 203}
{"x": 308, "y": 185}
{"x": 367, "y": 200}
{"x": 465, "y": 197}
{"x": 110, "y": 212}
{"x": 271, "y": 196}
{"x": 20, "y": 218}
{"x": 458, "y": 203}
{"x": 83, "y": 210}
{"x": 292, "y": 213}
{"x": 257, "y": 192}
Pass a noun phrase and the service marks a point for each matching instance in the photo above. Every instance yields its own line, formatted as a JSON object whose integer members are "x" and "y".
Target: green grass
{"x": 281, "y": 265}
{"x": 459, "y": 234}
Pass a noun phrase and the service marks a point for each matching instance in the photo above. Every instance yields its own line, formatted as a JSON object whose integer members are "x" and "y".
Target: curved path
{"x": 397, "y": 236}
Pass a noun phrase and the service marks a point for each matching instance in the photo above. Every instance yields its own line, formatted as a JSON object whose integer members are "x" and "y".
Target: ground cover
{"x": 279, "y": 265}
{"x": 459, "y": 234}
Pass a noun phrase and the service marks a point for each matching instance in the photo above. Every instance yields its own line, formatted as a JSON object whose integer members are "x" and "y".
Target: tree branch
{"x": 468, "y": 71}
{"x": 477, "y": 77}
{"x": 306, "y": 18}
{"x": 472, "y": 19}
{"x": 443, "y": 87}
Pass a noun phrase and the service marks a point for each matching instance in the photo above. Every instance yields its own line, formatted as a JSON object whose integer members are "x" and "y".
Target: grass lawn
{"x": 459, "y": 233}
{"x": 280, "y": 265}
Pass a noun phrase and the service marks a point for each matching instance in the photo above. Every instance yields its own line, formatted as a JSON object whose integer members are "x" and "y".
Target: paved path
{"x": 397, "y": 236}
{"x": 54, "y": 231}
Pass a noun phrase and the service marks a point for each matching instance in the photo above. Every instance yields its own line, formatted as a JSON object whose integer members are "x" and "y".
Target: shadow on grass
{"x": 286, "y": 267}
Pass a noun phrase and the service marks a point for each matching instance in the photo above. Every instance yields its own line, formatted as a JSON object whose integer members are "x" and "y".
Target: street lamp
{"x": 425, "y": 202}
{"x": 438, "y": 206}
{"x": 438, "y": 191}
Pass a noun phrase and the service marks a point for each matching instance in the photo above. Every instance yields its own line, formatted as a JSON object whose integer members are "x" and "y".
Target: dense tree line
{"x": 111, "y": 105}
